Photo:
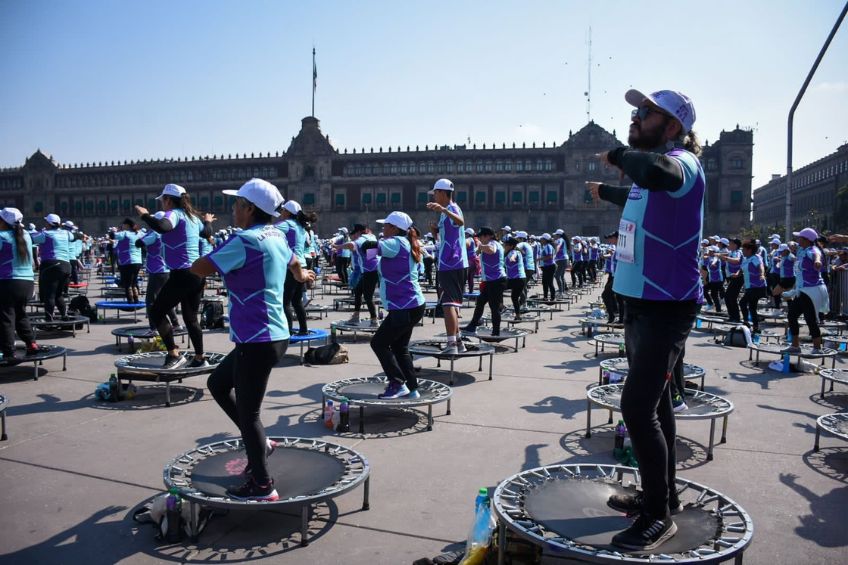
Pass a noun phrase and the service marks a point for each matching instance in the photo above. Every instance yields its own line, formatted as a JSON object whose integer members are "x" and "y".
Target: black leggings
{"x": 517, "y": 287}
{"x": 548, "y": 281}
{"x": 803, "y": 305}
{"x": 52, "y": 280}
{"x": 129, "y": 280}
{"x": 731, "y": 298}
{"x": 293, "y": 298}
{"x": 712, "y": 290}
{"x": 155, "y": 282}
{"x": 341, "y": 267}
{"x": 186, "y": 289}
{"x": 238, "y": 386}
{"x": 559, "y": 275}
{"x": 391, "y": 345}
{"x": 613, "y": 302}
{"x": 365, "y": 289}
{"x": 14, "y": 295}
{"x": 491, "y": 293}
{"x": 749, "y": 306}
{"x": 655, "y": 334}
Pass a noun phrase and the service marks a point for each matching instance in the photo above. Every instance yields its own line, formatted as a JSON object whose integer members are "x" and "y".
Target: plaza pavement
{"x": 74, "y": 469}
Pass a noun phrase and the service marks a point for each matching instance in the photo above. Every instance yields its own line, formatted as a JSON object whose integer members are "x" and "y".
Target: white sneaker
{"x": 460, "y": 346}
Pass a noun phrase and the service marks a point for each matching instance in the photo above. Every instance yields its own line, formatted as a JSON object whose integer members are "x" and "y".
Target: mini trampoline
{"x": 144, "y": 333}
{"x": 835, "y": 424}
{"x": 613, "y": 339}
{"x": 78, "y": 286}
{"x": 512, "y": 321}
{"x": 430, "y": 307}
{"x": 433, "y": 348}
{"x": 313, "y": 335}
{"x": 470, "y": 298}
{"x": 147, "y": 367}
{"x": 772, "y": 315}
{"x": 484, "y": 334}
{"x": 834, "y": 376}
{"x": 556, "y": 305}
{"x": 615, "y": 370}
{"x": 66, "y": 324}
{"x": 360, "y": 327}
{"x": 806, "y": 353}
{"x": 346, "y": 303}
{"x": 701, "y": 406}
{"x": 538, "y": 309}
{"x": 563, "y": 509}
{"x": 308, "y": 471}
{"x": 708, "y": 321}
{"x": 588, "y": 326}
{"x": 45, "y": 352}
{"x": 3, "y": 435}
{"x": 362, "y": 392}
{"x": 317, "y": 311}
{"x": 119, "y": 307}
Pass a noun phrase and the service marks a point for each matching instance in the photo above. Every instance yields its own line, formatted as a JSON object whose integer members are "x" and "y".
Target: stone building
{"x": 539, "y": 187}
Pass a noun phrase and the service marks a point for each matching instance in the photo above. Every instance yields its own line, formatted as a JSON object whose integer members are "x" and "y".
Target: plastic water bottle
{"x": 114, "y": 389}
{"x": 173, "y": 507}
{"x": 786, "y": 365}
{"x": 329, "y": 410}
{"x": 482, "y": 499}
{"x": 333, "y": 333}
{"x": 620, "y": 434}
{"x": 621, "y": 350}
{"x": 788, "y": 336}
{"x": 756, "y": 338}
{"x": 344, "y": 416}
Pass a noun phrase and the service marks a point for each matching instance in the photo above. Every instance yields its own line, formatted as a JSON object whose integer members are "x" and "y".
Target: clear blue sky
{"x": 112, "y": 80}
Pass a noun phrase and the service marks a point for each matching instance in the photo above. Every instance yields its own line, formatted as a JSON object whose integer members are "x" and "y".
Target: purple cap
{"x": 675, "y": 103}
{"x": 806, "y": 233}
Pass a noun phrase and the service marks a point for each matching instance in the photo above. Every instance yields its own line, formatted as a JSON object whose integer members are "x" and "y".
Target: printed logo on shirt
{"x": 635, "y": 193}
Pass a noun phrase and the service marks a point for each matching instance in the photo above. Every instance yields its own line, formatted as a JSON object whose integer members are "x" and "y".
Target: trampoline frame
{"x": 112, "y": 305}
{"x": 828, "y": 354}
{"x": 700, "y": 373}
{"x": 588, "y": 325}
{"x": 484, "y": 349}
{"x": 177, "y": 473}
{"x": 46, "y": 352}
{"x": 596, "y": 395}
{"x": 508, "y": 504}
{"x": 124, "y": 331}
{"x": 58, "y": 323}
{"x": 3, "y": 404}
{"x": 444, "y": 393}
{"x": 539, "y": 309}
{"x": 153, "y": 375}
{"x": 308, "y": 338}
{"x": 828, "y": 423}
{"x": 834, "y": 376}
{"x": 608, "y": 339}
{"x": 342, "y": 326}
{"x": 519, "y": 335}
{"x": 510, "y": 321}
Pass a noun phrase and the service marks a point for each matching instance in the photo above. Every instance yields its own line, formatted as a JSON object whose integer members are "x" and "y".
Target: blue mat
{"x": 114, "y": 304}
{"x": 470, "y": 294}
{"x": 313, "y": 334}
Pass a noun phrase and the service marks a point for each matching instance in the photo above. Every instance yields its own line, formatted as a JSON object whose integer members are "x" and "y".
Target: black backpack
{"x": 212, "y": 315}
{"x": 735, "y": 337}
{"x": 330, "y": 354}
{"x": 83, "y": 307}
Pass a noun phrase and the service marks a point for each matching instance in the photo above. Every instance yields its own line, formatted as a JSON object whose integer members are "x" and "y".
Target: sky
{"x": 98, "y": 80}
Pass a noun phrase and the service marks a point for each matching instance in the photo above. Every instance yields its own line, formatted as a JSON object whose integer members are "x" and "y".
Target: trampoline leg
{"x": 304, "y": 525}
{"x": 480, "y": 366}
{"x": 362, "y": 419}
{"x": 818, "y": 436}
{"x": 366, "y": 490}
{"x": 301, "y": 353}
{"x": 491, "y": 359}
{"x": 588, "y": 418}
{"x": 35, "y": 371}
{"x": 65, "y": 362}
{"x": 610, "y": 417}
{"x": 724, "y": 431}
{"x": 451, "y": 372}
{"x": 3, "y": 436}
{"x": 712, "y": 440}
{"x": 501, "y": 542}
{"x": 168, "y": 394}
{"x": 448, "y": 413}
{"x": 429, "y": 417}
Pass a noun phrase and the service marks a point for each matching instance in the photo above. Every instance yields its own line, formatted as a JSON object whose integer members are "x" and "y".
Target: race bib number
{"x": 625, "y": 250}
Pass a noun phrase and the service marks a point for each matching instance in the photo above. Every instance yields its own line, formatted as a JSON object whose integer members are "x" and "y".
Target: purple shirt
{"x": 452, "y": 252}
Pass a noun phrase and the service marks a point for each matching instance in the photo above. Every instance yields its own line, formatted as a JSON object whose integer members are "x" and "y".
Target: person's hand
{"x": 308, "y": 276}
{"x": 435, "y": 207}
{"x": 434, "y": 227}
{"x": 141, "y": 210}
{"x": 207, "y": 217}
{"x": 595, "y": 188}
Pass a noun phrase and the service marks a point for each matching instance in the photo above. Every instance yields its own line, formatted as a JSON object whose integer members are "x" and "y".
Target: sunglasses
{"x": 644, "y": 111}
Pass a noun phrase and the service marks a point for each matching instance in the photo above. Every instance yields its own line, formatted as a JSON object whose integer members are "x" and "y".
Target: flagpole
{"x": 314, "y": 69}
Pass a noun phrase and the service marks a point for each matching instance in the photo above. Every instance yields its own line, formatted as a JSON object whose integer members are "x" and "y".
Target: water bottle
{"x": 756, "y": 338}
{"x": 788, "y": 336}
{"x": 620, "y": 434}
{"x": 173, "y": 508}
{"x": 697, "y": 322}
{"x": 328, "y": 414}
{"x": 621, "y": 350}
{"x": 344, "y": 416}
{"x": 786, "y": 363}
{"x": 482, "y": 499}
{"x": 114, "y": 389}
{"x": 333, "y": 332}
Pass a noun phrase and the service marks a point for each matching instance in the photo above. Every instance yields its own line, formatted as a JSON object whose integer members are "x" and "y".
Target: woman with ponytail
{"x": 16, "y": 285}
{"x": 400, "y": 253}
{"x": 294, "y": 224}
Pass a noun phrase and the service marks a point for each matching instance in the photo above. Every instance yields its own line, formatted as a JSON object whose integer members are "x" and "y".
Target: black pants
{"x": 712, "y": 290}
{"x": 74, "y": 271}
{"x": 803, "y": 305}
{"x": 773, "y": 279}
{"x": 155, "y": 282}
{"x": 517, "y": 287}
{"x": 129, "y": 280}
{"x": 341, "y": 267}
{"x": 293, "y": 299}
{"x": 655, "y": 333}
{"x": 391, "y": 345}
{"x": 238, "y": 386}
{"x": 491, "y": 293}
{"x": 14, "y": 295}
{"x": 748, "y": 305}
{"x": 613, "y": 302}
{"x": 731, "y": 298}
{"x": 365, "y": 289}
{"x": 580, "y": 270}
{"x": 428, "y": 269}
{"x": 531, "y": 276}
{"x": 53, "y": 278}
{"x": 593, "y": 269}
{"x": 548, "y": 281}
{"x": 559, "y": 276}
{"x": 183, "y": 288}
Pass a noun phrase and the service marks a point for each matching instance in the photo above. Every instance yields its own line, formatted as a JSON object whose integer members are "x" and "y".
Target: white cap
{"x": 506, "y": 228}
{"x": 712, "y": 248}
{"x": 675, "y": 103}
{"x": 292, "y": 206}
{"x": 260, "y": 193}
{"x": 521, "y": 234}
{"x": 174, "y": 190}
{"x": 68, "y": 224}
{"x": 343, "y": 230}
{"x": 775, "y": 235}
{"x": 53, "y": 219}
{"x": 545, "y": 235}
{"x": 11, "y": 215}
{"x": 399, "y": 220}
{"x": 443, "y": 184}
{"x": 559, "y": 232}
{"x": 469, "y": 231}
{"x": 705, "y": 242}
{"x": 783, "y": 247}
{"x": 724, "y": 241}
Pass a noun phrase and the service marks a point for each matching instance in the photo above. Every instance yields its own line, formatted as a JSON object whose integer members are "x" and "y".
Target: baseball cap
{"x": 68, "y": 224}
{"x": 506, "y": 228}
{"x": 258, "y": 192}
{"x": 521, "y": 234}
{"x": 724, "y": 241}
{"x": 399, "y": 220}
{"x": 174, "y": 190}
{"x": 443, "y": 184}
{"x": 559, "y": 232}
{"x": 52, "y": 219}
{"x": 675, "y": 103}
{"x": 469, "y": 231}
{"x": 11, "y": 215}
{"x": 705, "y": 242}
{"x": 806, "y": 233}
{"x": 783, "y": 247}
{"x": 292, "y": 206}
{"x": 545, "y": 235}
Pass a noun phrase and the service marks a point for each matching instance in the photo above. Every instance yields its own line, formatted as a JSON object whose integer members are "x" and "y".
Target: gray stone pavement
{"x": 74, "y": 469}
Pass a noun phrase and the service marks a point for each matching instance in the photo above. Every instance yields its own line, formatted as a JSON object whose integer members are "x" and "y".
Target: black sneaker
{"x": 10, "y": 360}
{"x": 251, "y": 490}
{"x": 645, "y": 534}
{"x": 172, "y": 362}
{"x": 631, "y": 504}
{"x": 197, "y": 363}
{"x": 270, "y": 446}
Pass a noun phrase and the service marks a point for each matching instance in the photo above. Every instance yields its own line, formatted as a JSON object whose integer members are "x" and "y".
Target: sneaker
{"x": 197, "y": 363}
{"x": 353, "y": 321}
{"x": 306, "y": 302}
{"x": 302, "y": 332}
{"x": 172, "y": 362}
{"x": 495, "y": 333}
{"x": 270, "y": 446}
{"x": 394, "y": 390}
{"x": 817, "y": 351}
{"x": 375, "y": 322}
{"x": 645, "y": 534}
{"x": 251, "y": 490}
{"x": 177, "y": 328}
{"x": 678, "y": 403}
{"x": 792, "y": 349}
{"x": 10, "y": 360}
{"x": 451, "y": 349}
{"x": 631, "y": 504}
{"x": 414, "y": 394}
{"x": 460, "y": 346}
{"x": 34, "y": 349}
{"x": 470, "y": 328}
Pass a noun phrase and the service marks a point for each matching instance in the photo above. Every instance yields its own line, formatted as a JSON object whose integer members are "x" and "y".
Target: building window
{"x": 552, "y": 197}
{"x": 479, "y": 166}
{"x": 468, "y": 168}
{"x": 422, "y": 198}
{"x": 539, "y": 165}
{"x": 549, "y": 165}
{"x": 404, "y": 168}
{"x": 430, "y": 167}
{"x": 366, "y": 198}
{"x": 528, "y": 166}
{"x": 533, "y": 197}
{"x": 480, "y": 197}
{"x": 461, "y": 197}
{"x": 394, "y": 168}
{"x": 488, "y": 166}
{"x": 519, "y": 166}
{"x": 736, "y": 163}
{"x": 736, "y": 197}
{"x": 577, "y": 164}
{"x": 450, "y": 166}
{"x": 381, "y": 198}
{"x": 517, "y": 197}
{"x": 592, "y": 166}
{"x": 498, "y": 166}
{"x": 500, "y": 197}
{"x": 395, "y": 198}
{"x": 508, "y": 166}
{"x": 309, "y": 198}
{"x": 340, "y": 200}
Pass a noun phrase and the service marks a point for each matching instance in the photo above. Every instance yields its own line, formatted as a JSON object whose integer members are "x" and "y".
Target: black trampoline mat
{"x": 369, "y": 391}
{"x": 486, "y": 334}
{"x": 434, "y": 348}
{"x": 577, "y": 509}
{"x": 58, "y": 322}
{"x": 143, "y": 332}
{"x": 698, "y": 405}
{"x": 44, "y": 352}
{"x": 296, "y": 472}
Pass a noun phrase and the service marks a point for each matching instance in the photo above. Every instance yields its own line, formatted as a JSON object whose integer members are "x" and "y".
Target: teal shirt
{"x": 12, "y": 265}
